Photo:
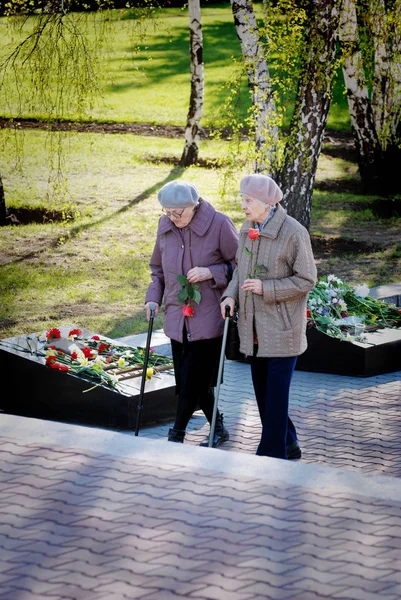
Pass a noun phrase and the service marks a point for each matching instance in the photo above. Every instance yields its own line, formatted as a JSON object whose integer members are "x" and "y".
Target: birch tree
{"x": 311, "y": 109}
{"x": 265, "y": 117}
{"x": 384, "y": 30}
{"x": 295, "y": 170}
{"x": 362, "y": 122}
{"x": 375, "y": 116}
{"x": 192, "y": 129}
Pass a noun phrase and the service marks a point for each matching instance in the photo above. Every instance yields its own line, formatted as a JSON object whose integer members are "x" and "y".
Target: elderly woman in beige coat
{"x": 269, "y": 288}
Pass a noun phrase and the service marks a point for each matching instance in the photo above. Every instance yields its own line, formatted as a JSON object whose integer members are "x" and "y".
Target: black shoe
{"x": 176, "y": 435}
{"x": 220, "y": 433}
{"x": 293, "y": 451}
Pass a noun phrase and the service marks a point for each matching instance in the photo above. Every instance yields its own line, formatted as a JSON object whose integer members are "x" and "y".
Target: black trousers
{"x": 196, "y": 366}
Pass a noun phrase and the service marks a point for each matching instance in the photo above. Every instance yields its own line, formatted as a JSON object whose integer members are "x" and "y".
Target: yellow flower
{"x": 149, "y": 373}
{"x": 122, "y": 362}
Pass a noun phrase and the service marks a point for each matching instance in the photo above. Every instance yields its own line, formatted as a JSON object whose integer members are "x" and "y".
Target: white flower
{"x": 333, "y": 279}
{"x": 83, "y": 361}
{"x": 99, "y": 360}
{"x": 361, "y": 290}
{"x": 51, "y": 352}
{"x": 75, "y": 348}
{"x": 122, "y": 362}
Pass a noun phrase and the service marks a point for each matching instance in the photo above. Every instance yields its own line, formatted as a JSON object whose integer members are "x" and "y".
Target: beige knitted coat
{"x": 287, "y": 269}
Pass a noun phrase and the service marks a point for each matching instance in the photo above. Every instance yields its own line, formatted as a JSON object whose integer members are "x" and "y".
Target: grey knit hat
{"x": 178, "y": 194}
{"x": 262, "y": 187}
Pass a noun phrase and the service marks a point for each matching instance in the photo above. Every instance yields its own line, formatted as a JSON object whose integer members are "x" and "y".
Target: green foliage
{"x": 188, "y": 291}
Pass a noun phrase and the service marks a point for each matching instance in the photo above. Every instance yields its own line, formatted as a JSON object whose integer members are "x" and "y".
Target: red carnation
{"x": 50, "y": 360}
{"x": 188, "y": 310}
{"x": 53, "y": 333}
{"x": 87, "y": 352}
{"x": 95, "y": 337}
{"x": 77, "y": 332}
{"x": 58, "y": 366}
{"x": 308, "y": 313}
{"x": 103, "y": 347}
{"x": 253, "y": 234}
{"x": 74, "y": 355}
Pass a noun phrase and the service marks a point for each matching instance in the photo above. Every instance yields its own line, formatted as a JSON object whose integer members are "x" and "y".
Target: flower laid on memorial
{"x": 345, "y": 312}
{"x": 95, "y": 358}
{"x": 189, "y": 292}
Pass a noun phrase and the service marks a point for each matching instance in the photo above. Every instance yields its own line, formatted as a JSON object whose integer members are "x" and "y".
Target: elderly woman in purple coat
{"x": 196, "y": 241}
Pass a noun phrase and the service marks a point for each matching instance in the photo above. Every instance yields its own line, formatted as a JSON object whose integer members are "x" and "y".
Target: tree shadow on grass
{"x": 175, "y": 173}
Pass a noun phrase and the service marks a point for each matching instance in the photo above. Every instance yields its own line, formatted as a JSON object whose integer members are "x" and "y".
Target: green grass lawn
{"x": 92, "y": 270}
{"x": 153, "y": 85}
{"x": 87, "y": 265}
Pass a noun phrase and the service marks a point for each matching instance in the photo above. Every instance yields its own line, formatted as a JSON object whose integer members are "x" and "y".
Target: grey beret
{"x": 178, "y": 194}
{"x": 262, "y": 187}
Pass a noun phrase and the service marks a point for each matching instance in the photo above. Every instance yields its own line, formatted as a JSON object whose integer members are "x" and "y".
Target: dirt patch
{"x": 339, "y": 246}
{"x": 25, "y": 216}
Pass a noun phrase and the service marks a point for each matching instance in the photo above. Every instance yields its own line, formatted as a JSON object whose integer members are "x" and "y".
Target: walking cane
{"x": 145, "y": 366}
{"x": 219, "y": 376}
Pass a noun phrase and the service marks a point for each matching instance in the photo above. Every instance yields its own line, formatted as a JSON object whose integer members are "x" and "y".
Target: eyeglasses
{"x": 248, "y": 199}
{"x": 173, "y": 214}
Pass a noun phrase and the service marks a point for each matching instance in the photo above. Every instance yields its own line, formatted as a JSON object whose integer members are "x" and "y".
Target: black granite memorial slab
{"x": 35, "y": 390}
{"x": 380, "y": 354}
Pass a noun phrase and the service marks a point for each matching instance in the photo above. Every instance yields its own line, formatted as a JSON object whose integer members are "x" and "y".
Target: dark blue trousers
{"x": 271, "y": 381}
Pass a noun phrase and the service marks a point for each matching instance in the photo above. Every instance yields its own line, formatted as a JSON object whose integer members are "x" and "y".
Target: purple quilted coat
{"x": 210, "y": 240}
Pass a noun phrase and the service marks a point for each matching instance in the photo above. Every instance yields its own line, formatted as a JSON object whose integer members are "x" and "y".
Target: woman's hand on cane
{"x": 228, "y": 301}
{"x": 149, "y": 306}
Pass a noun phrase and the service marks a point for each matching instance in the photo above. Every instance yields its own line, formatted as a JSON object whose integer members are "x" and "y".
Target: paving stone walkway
{"x": 89, "y": 513}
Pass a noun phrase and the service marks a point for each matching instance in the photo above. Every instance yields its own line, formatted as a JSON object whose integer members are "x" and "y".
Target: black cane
{"x": 219, "y": 377}
{"x": 145, "y": 366}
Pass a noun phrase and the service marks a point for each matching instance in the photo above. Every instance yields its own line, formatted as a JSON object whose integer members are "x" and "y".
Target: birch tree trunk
{"x": 384, "y": 23}
{"x": 265, "y": 114}
{"x": 362, "y": 122}
{"x": 381, "y": 85}
{"x": 311, "y": 109}
{"x": 192, "y": 130}
{"x": 3, "y": 208}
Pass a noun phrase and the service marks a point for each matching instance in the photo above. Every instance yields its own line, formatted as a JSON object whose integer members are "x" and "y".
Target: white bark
{"x": 266, "y": 129}
{"x": 395, "y": 68}
{"x": 362, "y": 122}
{"x": 382, "y": 89}
{"x": 192, "y": 130}
{"x": 311, "y": 109}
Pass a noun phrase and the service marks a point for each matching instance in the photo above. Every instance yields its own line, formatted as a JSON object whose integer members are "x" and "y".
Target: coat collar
{"x": 199, "y": 224}
{"x": 271, "y": 230}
